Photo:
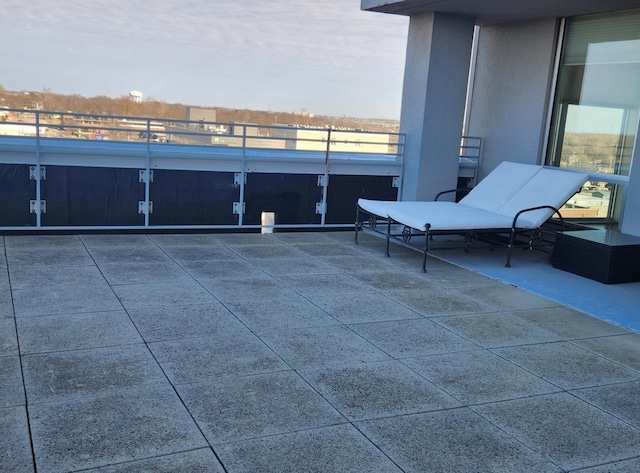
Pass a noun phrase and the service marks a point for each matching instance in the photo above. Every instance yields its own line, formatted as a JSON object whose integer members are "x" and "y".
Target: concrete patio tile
{"x": 356, "y": 264}
{"x": 570, "y": 432}
{"x": 110, "y": 429}
{"x": 132, "y": 273}
{"x": 225, "y": 354}
{"x": 212, "y": 270}
{"x": 141, "y": 296}
{"x": 339, "y": 448}
{"x": 128, "y": 254}
{"x": 239, "y": 239}
{"x": 492, "y": 330}
{"x": 44, "y": 277}
{"x": 362, "y": 308}
{"x": 624, "y": 349}
{"x": 289, "y": 265}
{"x": 261, "y": 288}
{"x": 620, "y": 400}
{"x": 242, "y": 408}
{"x": 15, "y": 447}
{"x": 321, "y": 284}
{"x": 327, "y": 248}
{"x": 411, "y": 338}
{"x": 322, "y": 346}
{"x": 373, "y": 390}
{"x": 625, "y": 466}
{"x": 184, "y": 321}
{"x": 192, "y": 253}
{"x": 201, "y": 460}
{"x": 453, "y": 277}
{"x": 393, "y": 280}
{"x": 478, "y": 376}
{"x": 296, "y": 238}
{"x": 42, "y": 241}
{"x": 566, "y": 365}
{"x": 292, "y": 311}
{"x": 6, "y": 310}
{"x": 8, "y": 339}
{"x": 568, "y": 323}
{"x": 438, "y": 302}
{"x": 115, "y": 241}
{"x": 11, "y": 390}
{"x": 184, "y": 239}
{"x": 451, "y": 441}
{"x": 273, "y": 250}
{"x": 51, "y": 256}
{"x": 75, "y": 331}
{"x": 502, "y": 296}
{"x": 82, "y": 373}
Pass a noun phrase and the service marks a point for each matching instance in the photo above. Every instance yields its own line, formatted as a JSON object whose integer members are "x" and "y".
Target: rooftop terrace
{"x": 298, "y": 352}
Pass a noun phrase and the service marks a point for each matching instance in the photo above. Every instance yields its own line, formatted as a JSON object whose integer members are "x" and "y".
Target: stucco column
{"x": 433, "y": 99}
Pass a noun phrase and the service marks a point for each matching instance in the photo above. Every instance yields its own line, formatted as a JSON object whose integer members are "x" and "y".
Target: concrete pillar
{"x": 433, "y": 99}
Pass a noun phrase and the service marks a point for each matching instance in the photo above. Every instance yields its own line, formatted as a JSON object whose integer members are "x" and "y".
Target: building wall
{"x": 511, "y": 91}
{"x": 201, "y": 114}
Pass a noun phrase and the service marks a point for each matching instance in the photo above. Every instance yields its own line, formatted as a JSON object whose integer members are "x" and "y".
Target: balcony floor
{"x": 298, "y": 352}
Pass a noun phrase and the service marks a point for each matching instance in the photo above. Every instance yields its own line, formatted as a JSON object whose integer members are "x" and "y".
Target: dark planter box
{"x": 603, "y": 255}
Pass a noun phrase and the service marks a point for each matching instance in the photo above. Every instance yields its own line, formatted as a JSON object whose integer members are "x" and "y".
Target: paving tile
{"x": 411, "y": 338}
{"x": 566, "y": 365}
{"x": 8, "y": 340}
{"x": 231, "y": 353}
{"x": 195, "y": 461}
{"x": 362, "y": 308}
{"x": 393, "y": 280}
{"x": 496, "y": 329}
{"x": 128, "y": 254}
{"x": 11, "y": 390}
{"x": 568, "y": 323}
{"x": 322, "y": 346}
{"x": 620, "y": 400}
{"x": 289, "y": 265}
{"x": 81, "y": 373}
{"x": 6, "y": 311}
{"x": 45, "y": 277}
{"x": 340, "y": 448}
{"x": 478, "y": 376}
{"x": 212, "y": 270}
{"x": 42, "y": 241}
{"x": 456, "y": 440}
{"x": 15, "y": 448}
{"x": 327, "y": 248}
{"x": 75, "y": 331}
{"x": 116, "y": 241}
{"x": 140, "y": 296}
{"x": 291, "y": 311}
{"x": 296, "y": 238}
{"x": 247, "y": 407}
{"x": 356, "y": 264}
{"x": 185, "y": 239}
{"x": 183, "y": 321}
{"x": 321, "y": 284}
{"x": 111, "y": 429}
{"x": 192, "y": 253}
{"x": 250, "y": 252}
{"x": 133, "y": 273}
{"x": 438, "y": 302}
{"x": 248, "y": 288}
{"x": 453, "y": 277}
{"x": 624, "y": 349}
{"x": 570, "y": 432}
{"x": 51, "y": 256}
{"x": 625, "y": 466}
{"x": 239, "y": 239}
{"x": 374, "y": 390}
{"x": 503, "y": 296}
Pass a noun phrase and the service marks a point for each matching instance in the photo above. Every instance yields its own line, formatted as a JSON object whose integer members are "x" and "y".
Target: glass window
{"x": 596, "y": 108}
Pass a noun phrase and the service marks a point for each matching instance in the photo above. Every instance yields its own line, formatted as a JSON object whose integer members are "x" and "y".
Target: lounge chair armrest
{"x": 555, "y": 211}
{"x": 466, "y": 190}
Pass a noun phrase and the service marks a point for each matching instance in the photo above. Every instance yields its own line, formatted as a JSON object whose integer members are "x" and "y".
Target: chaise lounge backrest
{"x": 512, "y": 187}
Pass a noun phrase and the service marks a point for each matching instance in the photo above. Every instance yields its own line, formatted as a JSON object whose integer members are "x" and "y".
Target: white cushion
{"x": 447, "y": 216}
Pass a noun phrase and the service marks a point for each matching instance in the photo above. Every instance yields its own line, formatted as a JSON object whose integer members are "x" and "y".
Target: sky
{"x": 327, "y": 56}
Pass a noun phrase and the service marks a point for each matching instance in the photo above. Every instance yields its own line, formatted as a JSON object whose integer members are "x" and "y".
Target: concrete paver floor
{"x": 297, "y": 352}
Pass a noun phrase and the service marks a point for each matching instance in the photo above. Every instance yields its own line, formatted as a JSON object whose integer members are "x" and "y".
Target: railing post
{"x": 147, "y": 180}
{"x": 38, "y": 174}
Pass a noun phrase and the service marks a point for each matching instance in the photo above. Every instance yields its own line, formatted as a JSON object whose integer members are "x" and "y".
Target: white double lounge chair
{"x": 513, "y": 198}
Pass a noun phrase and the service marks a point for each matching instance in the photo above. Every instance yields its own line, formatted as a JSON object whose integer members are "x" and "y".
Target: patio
{"x": 297, "y": 352}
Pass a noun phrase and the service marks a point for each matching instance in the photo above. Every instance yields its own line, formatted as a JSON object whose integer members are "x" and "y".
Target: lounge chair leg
{"x": 357, "y": 219}
{"x": 428, "y": 236}
{"x": 388, "y": 236}
{"x": 510, "y": 247}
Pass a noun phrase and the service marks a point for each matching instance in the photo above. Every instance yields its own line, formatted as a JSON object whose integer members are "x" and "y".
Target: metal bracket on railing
{"x": 142, "y": 207}
{"x": 237, "y": 178}
{"x": 236, "y": 208}
{"x": 35, "y": 207}
{"x": 32, "y": 173}
{"x": 142, "y": 175}
{"x": 396, "y": 182}
{"x": 323, "y": 180}
{"x": 321, "y": 208}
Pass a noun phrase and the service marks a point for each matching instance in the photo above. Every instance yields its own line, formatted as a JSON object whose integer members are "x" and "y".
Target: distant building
{"x": 198, "y": 114}
{"x": 342, "y": 141}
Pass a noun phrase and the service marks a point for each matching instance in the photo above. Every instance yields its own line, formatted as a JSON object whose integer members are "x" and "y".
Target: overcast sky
{"x": 327, "y": 56}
